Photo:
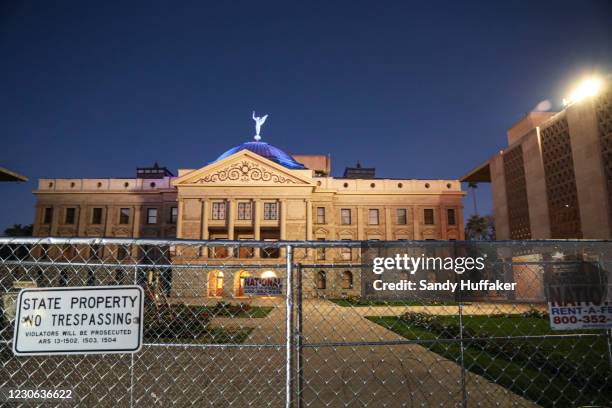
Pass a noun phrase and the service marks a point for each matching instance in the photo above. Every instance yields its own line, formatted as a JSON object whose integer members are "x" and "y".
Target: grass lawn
{"x": 213, "y": 335}
{"x": 251, "y": 312}
{"x": 543, "y": 385}
{"x": 418, "y": 302}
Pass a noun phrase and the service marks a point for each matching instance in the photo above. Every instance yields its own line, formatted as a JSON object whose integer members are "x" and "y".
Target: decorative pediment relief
{"x": 241, "y": 168}
{"x": 94, "y": 232}
{"x": 321, "y": 231}
{"x": 245, "y": 171}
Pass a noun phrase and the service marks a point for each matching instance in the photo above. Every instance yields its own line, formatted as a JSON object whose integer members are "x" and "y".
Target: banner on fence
{"x": 263, "y": 286}
{"x": 79, "y": 320}
{"x": 575, "y": 307}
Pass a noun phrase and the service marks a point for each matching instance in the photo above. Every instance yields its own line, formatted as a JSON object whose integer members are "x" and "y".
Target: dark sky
{"x": 415, "y": 89}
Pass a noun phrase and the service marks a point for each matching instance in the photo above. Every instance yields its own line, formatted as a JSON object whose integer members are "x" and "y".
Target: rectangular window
{"x": 428, "y": 214}
{"x": 320, "y": 215}
{"x": 451, "y": 216}
{"x": 218, "y": 211}
{"x": 151, "y": 215}
{"x": 70, "y": 215}
{"x": 345, "y": 216}
{"x": 96, "y": 216}
{"x": 244, "y": 211}
{"x": 270, "y": 211}
{"x": 124, "y": 216}
{"x": 346, "y": 252}
{"x": 373, "y": 217}
{"x": 48, "y": 215}
{"x": 321, "y": 251}
{"x": 173, "y": 215}
{"x": 401, "y": 216}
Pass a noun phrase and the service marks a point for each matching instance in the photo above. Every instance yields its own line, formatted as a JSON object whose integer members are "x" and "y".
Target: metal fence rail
{"x": 330, "y": 339}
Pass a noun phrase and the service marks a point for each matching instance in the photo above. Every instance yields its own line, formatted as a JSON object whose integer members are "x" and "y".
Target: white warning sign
{"x": 79, "y": 320}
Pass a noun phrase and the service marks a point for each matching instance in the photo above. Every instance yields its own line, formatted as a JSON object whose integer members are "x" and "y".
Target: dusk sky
{"x": 415, "y": 89}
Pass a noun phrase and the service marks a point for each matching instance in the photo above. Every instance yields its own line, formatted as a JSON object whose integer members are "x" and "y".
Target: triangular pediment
{"x": 244, "y": 168}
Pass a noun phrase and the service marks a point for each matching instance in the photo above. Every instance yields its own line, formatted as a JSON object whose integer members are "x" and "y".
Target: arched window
{"x": 347, "y": 280}
{"x": 321, "y": 280}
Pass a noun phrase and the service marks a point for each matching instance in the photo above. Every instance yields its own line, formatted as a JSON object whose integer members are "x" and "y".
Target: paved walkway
{"x": 375, "y": 375}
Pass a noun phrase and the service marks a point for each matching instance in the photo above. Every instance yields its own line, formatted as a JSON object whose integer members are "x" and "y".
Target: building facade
{"x": 254, "y": 191}
{"x": 554, "y": 180}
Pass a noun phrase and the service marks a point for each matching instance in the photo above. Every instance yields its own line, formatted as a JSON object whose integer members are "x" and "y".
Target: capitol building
{"x": 254, "y": 191}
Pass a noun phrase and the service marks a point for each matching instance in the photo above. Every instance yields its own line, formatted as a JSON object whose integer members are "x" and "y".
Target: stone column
{"x": 231, "y": 215}
{"x": 416, "y": 223}
{"x": 205, "y": 218}
{"x": 82, "y": 223}
{"x": 388, "y": 230}
{"x": 108, "y": 221}
{"x": 283, "y": 220}
{"x": 257, "y": 224}
{"x": 443, "y": 222}
{"x": 309, "y": 220}
{"x": 361, "y": 220}
{"x": 137, "y": 209}
{"x": 179, "y": 219}
{"x": 57, "y": 213}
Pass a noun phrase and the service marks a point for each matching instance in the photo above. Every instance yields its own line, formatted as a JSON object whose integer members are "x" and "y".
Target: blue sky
{"x": 415, "y": 89}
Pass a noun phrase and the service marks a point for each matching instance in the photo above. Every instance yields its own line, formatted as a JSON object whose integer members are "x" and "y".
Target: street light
{"x": 588, "y": 87}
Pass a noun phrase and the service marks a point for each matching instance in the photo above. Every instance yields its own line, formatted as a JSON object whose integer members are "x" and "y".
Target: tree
{"x": 18, "y": 230}
{"x": 474, "y": 186}
{"x": 480, "y": 228}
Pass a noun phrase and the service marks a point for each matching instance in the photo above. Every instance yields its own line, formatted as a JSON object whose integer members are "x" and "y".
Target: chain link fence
{"x": 358, "y": 333}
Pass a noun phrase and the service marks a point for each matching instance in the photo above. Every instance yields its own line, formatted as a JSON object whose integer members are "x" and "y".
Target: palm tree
{"x": 473, "y": 185}
{"x": 478, "y": 228}
{"x": 18, "y": 230}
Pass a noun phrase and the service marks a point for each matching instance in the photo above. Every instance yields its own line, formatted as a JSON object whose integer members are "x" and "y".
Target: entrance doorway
{"x": 240, "y": 276}
{"x": 215, "y": 283}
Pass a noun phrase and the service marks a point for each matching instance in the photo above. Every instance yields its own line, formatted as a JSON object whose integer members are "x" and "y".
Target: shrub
{"x": 175, "y": 322}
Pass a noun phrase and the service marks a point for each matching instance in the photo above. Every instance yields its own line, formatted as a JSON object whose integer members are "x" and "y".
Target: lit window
{"x": 124, "y": 216}
{"x": 96, "y": 216}
{"x": 345, "y": 216}
{"x": 70, "y": 215}
{"x": 270, "y": 211}
{"x": 373, "y": 217}
{"x": 151, "y": 215}
{"x": 218, "y": 211}
{"x": 451, "y": 216}
{"x": 244, "y": 211}
{"x": 173, "y": 215}
{"x": 401, "y": 216}
{"x": 429, "y": 216}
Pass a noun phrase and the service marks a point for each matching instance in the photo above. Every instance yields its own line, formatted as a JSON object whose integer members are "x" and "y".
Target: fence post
{"x": 298, "y": 335}
{"x": 462, "y": 346}
{"x": 132, "y": 354}
{"x": 289, "y": 330}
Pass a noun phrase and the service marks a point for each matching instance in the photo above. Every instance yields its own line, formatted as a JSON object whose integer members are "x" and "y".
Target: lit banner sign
{"x": 263, "y": 286}
{"x": 78, "y": 320}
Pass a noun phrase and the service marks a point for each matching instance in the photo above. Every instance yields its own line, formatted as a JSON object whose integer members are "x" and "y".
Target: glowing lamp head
{"x": 586, "y": 88}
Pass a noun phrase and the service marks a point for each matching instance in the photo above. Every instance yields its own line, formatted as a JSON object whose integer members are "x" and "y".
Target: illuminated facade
{"x": 254, "y": 191}
{"x": 554, "y": 180}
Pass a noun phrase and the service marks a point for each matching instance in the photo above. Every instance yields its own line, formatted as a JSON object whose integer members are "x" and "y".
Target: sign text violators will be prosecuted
{"x": 79, "y": 320}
